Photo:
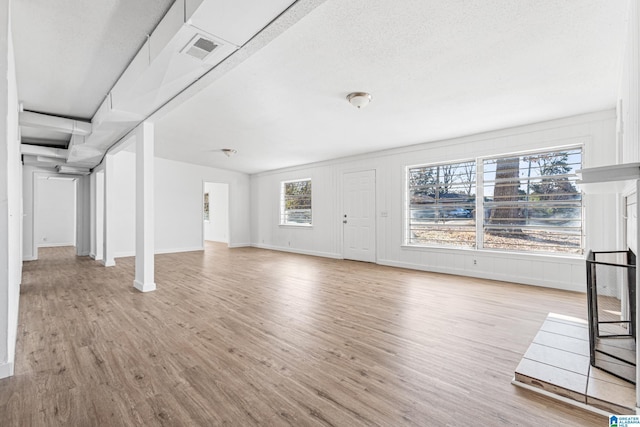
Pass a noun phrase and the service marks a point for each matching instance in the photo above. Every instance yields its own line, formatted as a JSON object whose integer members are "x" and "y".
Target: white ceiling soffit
{"x": 436, "y": 70}
{"x": 176, "y": 54}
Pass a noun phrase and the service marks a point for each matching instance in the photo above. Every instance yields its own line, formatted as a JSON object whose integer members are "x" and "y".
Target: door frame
{"x": 202, "y": 220}
{"x": 37, "y": 176}
{"x": 340, "y": 213}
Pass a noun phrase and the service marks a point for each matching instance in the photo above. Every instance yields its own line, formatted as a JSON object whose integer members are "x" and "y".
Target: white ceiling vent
{"x": 199, "y": 47}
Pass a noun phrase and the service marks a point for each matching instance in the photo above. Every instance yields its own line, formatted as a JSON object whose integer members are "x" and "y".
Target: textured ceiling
{"x": 435, "y": 69}
{"x": 69, "y": 53}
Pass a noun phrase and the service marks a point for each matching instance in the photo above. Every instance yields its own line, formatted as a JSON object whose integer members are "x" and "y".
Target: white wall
{"x": 217, "y": 228}
{"x": 96, "y": 203}
{"x": 629, "y": 103}
{"x": 178, "y": 205}
{"x": 55, "y": 211}
{"x": 178, "y": 200}
{"x": 629, "y": 90}
{"x": 629, "y": 135}
{"x": 10, "y": 197}
{"x": 83, "y": 216}
{"x": 124, "y": 222}
{"x": 596, "y": 131}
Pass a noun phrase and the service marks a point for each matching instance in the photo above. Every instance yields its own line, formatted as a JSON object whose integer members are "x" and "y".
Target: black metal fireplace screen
{"x": 611, "y": 297}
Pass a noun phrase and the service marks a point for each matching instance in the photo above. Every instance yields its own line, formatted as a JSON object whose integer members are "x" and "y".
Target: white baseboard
{"x": 29, "y": 258}
{"x": 161, "y": 251}
{"x": 125, "y": 254}
{"x": 144, "y": 287}
{"x": 54, "y": 245}
{"x": 176, "y": 250}
{"x": 534, "y": 281}
{"x": 239, "y": 245}
{"x": 6, "y": 370}
{"x": 298, "y": 251}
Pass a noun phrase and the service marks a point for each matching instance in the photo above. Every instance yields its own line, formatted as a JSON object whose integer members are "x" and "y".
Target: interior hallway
{"x": 249, "y": 336}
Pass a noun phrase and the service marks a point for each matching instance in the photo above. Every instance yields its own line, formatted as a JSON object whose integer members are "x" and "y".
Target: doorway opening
{"x": 215, "y": 213}
{"x": 55, "y": 211}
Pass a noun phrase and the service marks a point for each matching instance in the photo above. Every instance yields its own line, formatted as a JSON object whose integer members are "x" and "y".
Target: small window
{"x": 206, "y": 206}
{"x": 442, "y": 203}
{"x": 295, "y": 202}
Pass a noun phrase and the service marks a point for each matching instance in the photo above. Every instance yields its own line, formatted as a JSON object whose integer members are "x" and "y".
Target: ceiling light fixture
{"x": 229, "y": 151}
{"x": 359, "y": 99}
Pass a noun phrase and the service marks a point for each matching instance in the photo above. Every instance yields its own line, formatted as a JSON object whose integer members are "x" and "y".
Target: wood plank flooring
{"x": 254, "y": 337}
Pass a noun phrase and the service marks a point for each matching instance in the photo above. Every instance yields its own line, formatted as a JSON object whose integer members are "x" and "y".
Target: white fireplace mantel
{"x": 610, "y": 179}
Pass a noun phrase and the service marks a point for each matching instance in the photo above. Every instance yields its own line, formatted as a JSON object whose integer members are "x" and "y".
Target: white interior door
{"x": 359, "y": 218}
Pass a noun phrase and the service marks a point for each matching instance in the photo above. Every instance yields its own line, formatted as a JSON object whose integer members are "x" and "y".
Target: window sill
{"x": 493, "y": 252}
{"x": 308, "y": 226}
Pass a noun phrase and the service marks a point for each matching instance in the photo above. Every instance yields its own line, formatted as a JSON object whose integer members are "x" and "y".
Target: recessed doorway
{"x": 215, "y": 212}
{"x": 55, "y": 199}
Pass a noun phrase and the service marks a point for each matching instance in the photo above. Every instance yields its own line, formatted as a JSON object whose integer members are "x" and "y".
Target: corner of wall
{"x": 6, "y": 370}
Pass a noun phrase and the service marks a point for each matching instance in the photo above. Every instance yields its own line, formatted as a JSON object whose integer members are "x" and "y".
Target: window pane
{"x": 442, "y": 202}
{"x": 296, "y": 202}
{"x": 532, "y": 203}
{"x": 206, "y": 206}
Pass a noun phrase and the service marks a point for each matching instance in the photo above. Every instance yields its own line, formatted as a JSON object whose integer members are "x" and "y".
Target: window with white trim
{"x": 295, "y": 202}
{"x": 525, "y": 203}
{"x": 532, "y": 202}
{"x": 442, "y": 202}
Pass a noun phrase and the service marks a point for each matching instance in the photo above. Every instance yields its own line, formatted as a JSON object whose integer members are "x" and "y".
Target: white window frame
{"x": 283, "y": 212}
{"x": 481, "y": 206}
{"x": 408, "y": 211}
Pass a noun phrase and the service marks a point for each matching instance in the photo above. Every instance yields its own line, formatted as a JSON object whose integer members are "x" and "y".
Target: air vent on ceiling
{"x": 199, "y": 47}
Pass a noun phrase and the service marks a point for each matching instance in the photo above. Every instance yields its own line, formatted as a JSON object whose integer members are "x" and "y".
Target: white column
{"x": 109, "y": 211}
{"x": 83, "y": 216}
{"x": 144, "y": 280}
{"x": 99, "y": 215}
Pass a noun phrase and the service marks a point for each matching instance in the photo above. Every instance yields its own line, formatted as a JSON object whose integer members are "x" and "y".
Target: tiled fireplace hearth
{"x": 557, "y": 364}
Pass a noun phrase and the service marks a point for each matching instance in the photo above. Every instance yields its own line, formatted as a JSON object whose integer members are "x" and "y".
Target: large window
{"x": 295, "y": 202}
{"x": 442, "y": 203}
{"x": 525, "y": 203}
{"x": 532, "y": 202}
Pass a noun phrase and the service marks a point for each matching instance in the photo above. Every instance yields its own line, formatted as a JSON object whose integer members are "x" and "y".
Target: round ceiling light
{"x": 359, "y": 99}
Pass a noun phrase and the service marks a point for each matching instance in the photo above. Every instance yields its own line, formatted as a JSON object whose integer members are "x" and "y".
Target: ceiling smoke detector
{"x": 199, "y": 47}
{"x": 229, "y": 151}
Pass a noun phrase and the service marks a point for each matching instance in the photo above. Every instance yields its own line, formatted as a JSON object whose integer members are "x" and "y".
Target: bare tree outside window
{"x": 442, "y": 205}
{"x": 295, "y": 206}
{"x": 531, "y": 203}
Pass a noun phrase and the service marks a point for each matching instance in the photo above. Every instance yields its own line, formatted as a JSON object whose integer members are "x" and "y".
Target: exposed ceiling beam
{"x": 298, "y": 10}
{"x": 263, "y": 36}
{"x": 54, "y": 123}
{"x": 36, "y": 150}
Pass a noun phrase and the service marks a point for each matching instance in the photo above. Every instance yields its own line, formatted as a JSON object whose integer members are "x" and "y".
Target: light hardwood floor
{"x": 255, "y": 337}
